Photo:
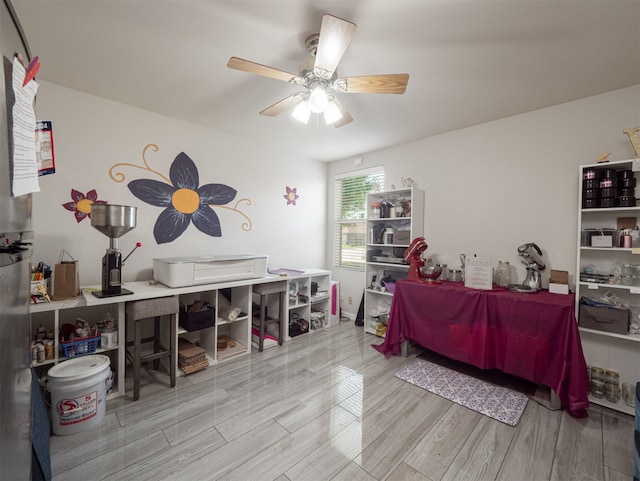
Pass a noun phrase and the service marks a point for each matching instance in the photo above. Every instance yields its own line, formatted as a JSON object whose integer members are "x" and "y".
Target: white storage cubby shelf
{"x": 608, "y": 350}
{"x": 239, "y": 330}
{"x": 384, "y": 254}
{"x": 312, "y": 300}
{"x": 51, "y": 316}
{"x": 308, "y": 299}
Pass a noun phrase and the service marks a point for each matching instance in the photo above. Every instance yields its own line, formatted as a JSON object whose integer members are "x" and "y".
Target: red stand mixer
{"x": 417, "y": 270}
{"x": 413, "y": 256}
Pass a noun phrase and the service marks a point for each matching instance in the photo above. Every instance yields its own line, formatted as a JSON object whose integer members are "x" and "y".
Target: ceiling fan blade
{"x": 375, "y": 84}
{"x": 335, "y": 36}
{"x": 259, "y": 69}
{"x": 284, "y": 104}
{"x": 346, "y": 117}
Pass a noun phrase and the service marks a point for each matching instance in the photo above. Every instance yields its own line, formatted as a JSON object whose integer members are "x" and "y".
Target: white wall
{"x": 92, "y": 134}
{"x": 492, "y": 187}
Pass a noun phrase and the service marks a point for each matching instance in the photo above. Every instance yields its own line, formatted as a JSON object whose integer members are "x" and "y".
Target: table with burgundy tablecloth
{"x": 533, "y": 336}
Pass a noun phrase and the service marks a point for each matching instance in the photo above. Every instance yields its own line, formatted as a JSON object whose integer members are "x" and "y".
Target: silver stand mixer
{"x": 113, "y": 221}
{"x": 532, "y": 259}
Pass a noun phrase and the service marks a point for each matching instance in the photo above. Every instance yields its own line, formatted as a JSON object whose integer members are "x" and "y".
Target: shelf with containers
{"x": 308, "y": 302}
{"x": 224, "y": 327}
{"x": 51, "y": 317}
{"x": 220, "y": 298}
{"x": 394, "y": 219}
{"x": 608, "y": 271}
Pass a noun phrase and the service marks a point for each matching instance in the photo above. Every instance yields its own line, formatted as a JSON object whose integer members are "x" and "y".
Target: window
{"x": 350, "y": 203}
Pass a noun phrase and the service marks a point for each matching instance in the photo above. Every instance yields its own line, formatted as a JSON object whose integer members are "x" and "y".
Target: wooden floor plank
{"x": 435, "y": 452}
{"x": 617, "y": 433}
{"x": 530, "y": 455}
{"x": 481, "y": 456}
{"x": 579, "y": 452}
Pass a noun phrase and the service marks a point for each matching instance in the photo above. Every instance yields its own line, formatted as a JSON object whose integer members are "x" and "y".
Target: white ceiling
{"x": 469, "y": 61}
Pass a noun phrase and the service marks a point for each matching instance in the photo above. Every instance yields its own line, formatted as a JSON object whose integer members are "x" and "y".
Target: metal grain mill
{"x": 113, "y": 221}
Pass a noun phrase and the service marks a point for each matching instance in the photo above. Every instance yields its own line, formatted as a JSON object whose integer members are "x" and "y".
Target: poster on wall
{"x": 45, "y": 158}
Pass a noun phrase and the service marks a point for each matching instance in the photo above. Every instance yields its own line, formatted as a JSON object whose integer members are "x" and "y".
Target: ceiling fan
{"x": 319, "y": 76}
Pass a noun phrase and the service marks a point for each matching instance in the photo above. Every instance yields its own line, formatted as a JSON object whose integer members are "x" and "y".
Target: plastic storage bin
{"x": 78, "y": 389}
{"x": 80, "y": 347}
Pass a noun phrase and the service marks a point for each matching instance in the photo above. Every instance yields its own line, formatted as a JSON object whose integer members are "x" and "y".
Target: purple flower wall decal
{"x": 184, "y": 200}
{"x": 291, "y": 195}
{"x": 81, "y": 204}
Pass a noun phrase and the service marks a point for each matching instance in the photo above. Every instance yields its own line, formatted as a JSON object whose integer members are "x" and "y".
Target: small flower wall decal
{"x": 291, "y": 195}
{"x": 185, "y": 201}
{"x": 81, "y": 204}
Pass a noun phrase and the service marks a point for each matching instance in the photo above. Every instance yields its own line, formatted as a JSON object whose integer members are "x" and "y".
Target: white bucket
{"x": 78, "y": 390}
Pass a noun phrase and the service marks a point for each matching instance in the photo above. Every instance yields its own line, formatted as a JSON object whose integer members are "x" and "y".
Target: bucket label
{"x": 77, "y": 410}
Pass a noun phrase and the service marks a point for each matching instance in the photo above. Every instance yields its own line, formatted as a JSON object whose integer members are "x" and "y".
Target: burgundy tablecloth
{"x": 533, "y": 336}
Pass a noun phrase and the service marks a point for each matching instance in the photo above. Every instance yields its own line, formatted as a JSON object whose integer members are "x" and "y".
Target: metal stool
{"x": 139, "y": 311}
{"x": 263, "y": 290}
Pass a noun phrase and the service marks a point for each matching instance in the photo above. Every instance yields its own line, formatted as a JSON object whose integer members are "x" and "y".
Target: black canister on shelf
{"x": 592, "y": 194}
{"x": 590, "y": 203}
{"x": 608, "y": 174}
{"x": 590, "y": 184}
{"x": 608, "y": 202}
{"x": 608, "y": 178}
{"x": 385, "y": 209}
{"x": 610, "y": 182}
{"x": 627, "y": 183}
{"x": 626, "y": 192}
{"x": 626, "y": 201}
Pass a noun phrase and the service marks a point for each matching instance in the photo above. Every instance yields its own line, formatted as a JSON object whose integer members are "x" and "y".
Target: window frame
{"x": 373, "y": 182}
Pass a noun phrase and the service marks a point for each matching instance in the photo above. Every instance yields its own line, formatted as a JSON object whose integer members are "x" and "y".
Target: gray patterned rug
{"x": 497, "y": 402}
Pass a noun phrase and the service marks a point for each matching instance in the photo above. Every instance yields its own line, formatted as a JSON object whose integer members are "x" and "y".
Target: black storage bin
{"x": 610, "y": 319}
{"x": 194, "y": 321}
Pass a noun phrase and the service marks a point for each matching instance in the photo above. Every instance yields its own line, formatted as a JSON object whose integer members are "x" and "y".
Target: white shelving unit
{"x": 239, "y": 330}
{"x": 53, "y": 315}
{"x": 608, "y": 350}
{"x": 384, "y": 258}
{"x": 239, "y": 294}
{"x": 309, "y": 298}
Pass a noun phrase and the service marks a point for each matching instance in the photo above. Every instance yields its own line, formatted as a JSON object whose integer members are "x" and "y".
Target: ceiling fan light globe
{"x": 318, "y": 100}
{"x": 332, "y": 114}
{"x": 302, "y": 112}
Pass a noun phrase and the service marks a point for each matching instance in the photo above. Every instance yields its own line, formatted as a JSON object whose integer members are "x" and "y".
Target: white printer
{"x": 189, "y": 271}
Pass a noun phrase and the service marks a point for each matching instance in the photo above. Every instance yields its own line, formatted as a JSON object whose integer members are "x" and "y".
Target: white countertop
{"x": 151, "y": 290}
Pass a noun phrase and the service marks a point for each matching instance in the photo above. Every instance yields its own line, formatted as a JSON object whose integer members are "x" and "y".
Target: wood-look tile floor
{"x": 327, "y": 406}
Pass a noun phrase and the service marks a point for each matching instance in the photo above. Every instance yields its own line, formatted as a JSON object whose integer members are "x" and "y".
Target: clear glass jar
{"x": 597, "y": 389}
{"x": 612, "y": 377}
{"x": 597, "y": 374}
{"x": 612, "y": 392}
{"x": 374, "y": 211}
{"x": 503, "y": 274}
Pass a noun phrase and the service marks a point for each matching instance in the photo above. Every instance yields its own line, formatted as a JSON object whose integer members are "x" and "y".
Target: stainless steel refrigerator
{"x": 16, "y": 234}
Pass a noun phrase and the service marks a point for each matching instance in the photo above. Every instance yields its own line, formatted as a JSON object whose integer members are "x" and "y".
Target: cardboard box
{"x": 402, "y": 236}
{"x": 559, "y": 282}
{"x": 601, "y": 241}
{"x": 610, "y": 319}
{"x": 558, "y": 288}
{"x": 627, "y": 223}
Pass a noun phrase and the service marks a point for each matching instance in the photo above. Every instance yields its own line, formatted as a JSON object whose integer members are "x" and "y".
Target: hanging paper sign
{"x": 25, "y": 175}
